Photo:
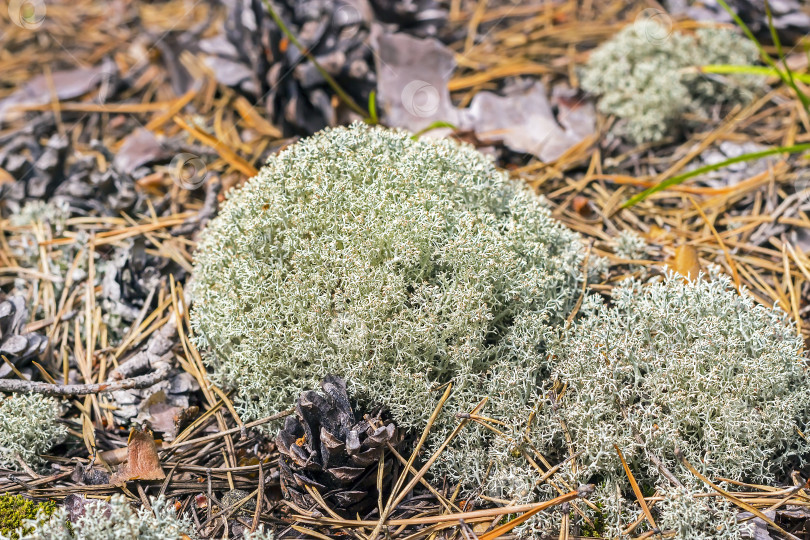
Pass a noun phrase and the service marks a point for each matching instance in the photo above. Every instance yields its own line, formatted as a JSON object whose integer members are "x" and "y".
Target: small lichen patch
{"x": 29, "y": 426}
{"x": 647, "y": 76}
{"x": 668, "y": 366}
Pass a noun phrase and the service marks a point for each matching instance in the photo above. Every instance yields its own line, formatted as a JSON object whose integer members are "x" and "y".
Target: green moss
{"x": 15, "y": 509}
{"x": 598, "y": 528}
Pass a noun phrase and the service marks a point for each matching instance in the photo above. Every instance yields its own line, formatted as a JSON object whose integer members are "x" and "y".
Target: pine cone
{"x": 16, "y": 346}
{"x": 256, "y": 57}
{"x": 158, "y": 405}
{"x": 420, "y": 18}
{"x": 87, "y": 190}
{"x": 61, "y": 168}
{"x": 324, "y": 447}
{"x": 129, "y": 277}
{"x": 37, "y": 169}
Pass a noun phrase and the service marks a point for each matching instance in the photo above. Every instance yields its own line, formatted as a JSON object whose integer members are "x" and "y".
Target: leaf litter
{"x": 136, "y": 128}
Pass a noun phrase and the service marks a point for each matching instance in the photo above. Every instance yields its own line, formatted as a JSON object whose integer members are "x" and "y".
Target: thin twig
{"x": 142, "y": 381}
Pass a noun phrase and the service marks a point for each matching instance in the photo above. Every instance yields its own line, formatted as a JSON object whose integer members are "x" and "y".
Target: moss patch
{"x": 15, "y": 509}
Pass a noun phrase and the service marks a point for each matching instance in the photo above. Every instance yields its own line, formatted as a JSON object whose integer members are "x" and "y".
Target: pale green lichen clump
{"x": 398, "y": 264}
{"x": 672, "y": 364}
{"x": 697, "y": 518}
{"x": 29, "y": 426}
{"x": 646, "y": 76}
{"x": 259, "y": 534}
{"x": 630, "y": 245}
{"x": 115, "y": 520}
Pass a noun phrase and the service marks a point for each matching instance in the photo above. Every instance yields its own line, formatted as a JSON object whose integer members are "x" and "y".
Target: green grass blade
{"x": 747, "y": 31}
{"x": 732, "y": 69}
{"x": 775, "y": 36}
{"x": 372, "y": 109}
{"x": 765, "y": 56}
{"x": 679, "y": 179}
{"x": 435, "y": 125}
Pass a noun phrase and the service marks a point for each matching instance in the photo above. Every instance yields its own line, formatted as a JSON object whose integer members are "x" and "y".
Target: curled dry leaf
{"x": 89, "y": 475}
{"x": 66, "y": 84}
{"x": 658, "y": 235}
{"x": 75, "y": 505}
{"x": 142, "y": 462}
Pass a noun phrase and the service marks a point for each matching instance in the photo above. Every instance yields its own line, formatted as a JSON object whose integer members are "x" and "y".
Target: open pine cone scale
{"x": 324, "y": 447}
{"x": 15, "y": 344}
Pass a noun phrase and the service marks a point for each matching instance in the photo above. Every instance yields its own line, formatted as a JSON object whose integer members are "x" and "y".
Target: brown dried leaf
{"x": 412, "y": 89}
{"x": 201, "y": 501}
{"x": 582, "y": 206}
{"x": 67, "y": 84}
{"x": 163, "y": 419}
{"x": 657, "y": 235}
{"x": 142, "y": 462}
{"x": 139, "y": 148}
{"x": 686, "y": 262}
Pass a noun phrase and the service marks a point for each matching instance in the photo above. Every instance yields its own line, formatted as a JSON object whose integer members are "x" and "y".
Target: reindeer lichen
{"x": 397, "y": 264}
{"x": 647, "y": 76}
{"x": 114, "y": 520}
{"x": 29, "y": 426}
{"x": 670, "y": 365}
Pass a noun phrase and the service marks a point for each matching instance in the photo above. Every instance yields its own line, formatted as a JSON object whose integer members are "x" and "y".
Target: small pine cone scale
{"x": 324, "y": 447}
{"x": 15, "y": 344}
{"x": 129, "y": 277}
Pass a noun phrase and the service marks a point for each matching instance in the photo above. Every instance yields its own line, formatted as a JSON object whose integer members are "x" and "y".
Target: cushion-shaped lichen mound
{"x": 646, "y": 76}
{"x": 671, "y": 364}
{"x": 398, "y": 264}
{"x": 29, "y": 426}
